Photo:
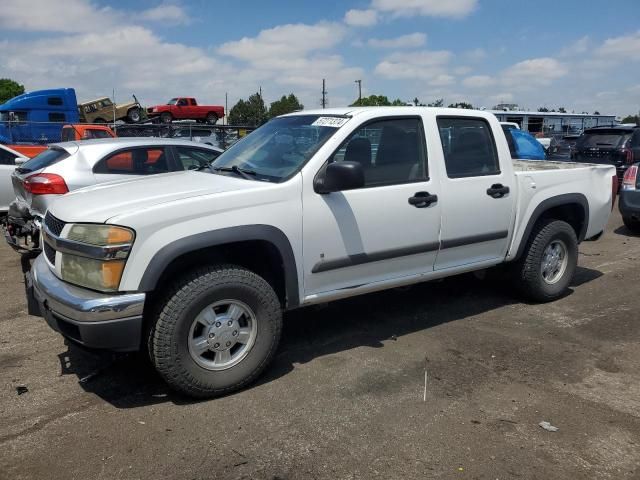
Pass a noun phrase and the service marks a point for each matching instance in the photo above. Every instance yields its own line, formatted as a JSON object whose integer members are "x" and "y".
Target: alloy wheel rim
{"x": 222, "y": 334}
{"x": 554, "y": 262}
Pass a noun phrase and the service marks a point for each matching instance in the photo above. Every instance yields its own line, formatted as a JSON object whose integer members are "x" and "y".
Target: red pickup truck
{"x": 186, "y": 108}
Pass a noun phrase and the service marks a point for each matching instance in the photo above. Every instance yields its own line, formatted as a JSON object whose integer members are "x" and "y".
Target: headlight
{"x": 94, "y": 256}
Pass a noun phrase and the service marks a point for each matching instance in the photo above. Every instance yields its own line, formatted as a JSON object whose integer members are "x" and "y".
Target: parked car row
{"x": 195, "y": 260}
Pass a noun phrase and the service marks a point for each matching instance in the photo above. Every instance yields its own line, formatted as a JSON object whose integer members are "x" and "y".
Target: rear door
{"x": 477, "y": 198}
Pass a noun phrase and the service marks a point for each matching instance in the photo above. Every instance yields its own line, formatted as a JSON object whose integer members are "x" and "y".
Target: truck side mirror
{"x": 338, "y": 176}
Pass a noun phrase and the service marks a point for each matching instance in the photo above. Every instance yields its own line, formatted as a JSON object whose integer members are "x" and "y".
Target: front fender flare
{"x": 163, "y": 257}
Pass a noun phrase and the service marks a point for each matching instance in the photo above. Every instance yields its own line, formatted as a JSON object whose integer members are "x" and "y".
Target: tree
{"x": 372, "y": 101}
{"x": 562, "y": 110}
{"x": 632, "y": 119}
{"x": 596, "y": 112}
{"x": 436, "y": 103}
{"x": 543, "y": 109}
{"x": 286, "y": 104}
{"x": 9, "y": 89}
{"x": 251, "y": 112}
{"x": 466, "y": 105}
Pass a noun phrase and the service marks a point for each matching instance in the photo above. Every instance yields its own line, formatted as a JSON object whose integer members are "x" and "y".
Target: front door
{"x": 477, "y": 198}
{"x": 382, "y": 230}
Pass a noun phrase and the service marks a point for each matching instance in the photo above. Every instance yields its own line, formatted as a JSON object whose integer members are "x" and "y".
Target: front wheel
{"x": 134, "y": 115}
{"x": 219, "y": 328}
{"x": 549, "y": 261}
{"x": 212, "y": 118}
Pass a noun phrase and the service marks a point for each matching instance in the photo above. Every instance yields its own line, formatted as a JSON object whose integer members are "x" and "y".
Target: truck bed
{"x": 537, "y": 165}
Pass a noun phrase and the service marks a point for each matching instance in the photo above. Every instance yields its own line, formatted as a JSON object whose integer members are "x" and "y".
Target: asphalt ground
{"x": 345, "y": 397}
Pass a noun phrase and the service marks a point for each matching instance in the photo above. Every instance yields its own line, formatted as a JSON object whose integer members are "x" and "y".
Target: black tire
{"x": 190, "y": 295}
{"x": 166, "y": 117}
{"x": 99, "y": 120}
{"x": 134, "y": 115}
{"x": 528, "y": 273}
{"x": 212, "y": 118}
{"x": 632, "y": 224}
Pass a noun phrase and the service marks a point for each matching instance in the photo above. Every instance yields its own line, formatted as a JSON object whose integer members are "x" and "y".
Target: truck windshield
{"x": 281, "y": 147}
{"x": 173, "y": 101}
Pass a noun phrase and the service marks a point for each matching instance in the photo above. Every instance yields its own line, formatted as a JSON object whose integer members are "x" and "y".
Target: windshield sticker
{"x": 334, "y": 122}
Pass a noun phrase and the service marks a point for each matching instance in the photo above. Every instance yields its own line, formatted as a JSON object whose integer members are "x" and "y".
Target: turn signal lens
{"x": 101, "y": 235}
{"x": 629, "y": 180}
{"x": 91, "y": 273}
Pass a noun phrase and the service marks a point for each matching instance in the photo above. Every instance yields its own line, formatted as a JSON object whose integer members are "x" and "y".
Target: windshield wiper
{"x": 244, "y": 173}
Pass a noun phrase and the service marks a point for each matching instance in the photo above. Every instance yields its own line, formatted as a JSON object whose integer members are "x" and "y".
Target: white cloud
{"x": 476, "y": 55}
{"x": 535, "y": 71}
{"x": 578, "y": 47}
{"x": 620, "y": 48}
{"x": 432, "y": 8}
{"x": 284, "y": 42}
{"x": 411, "y": 40}
{"x": 48, "y": 16}
{"x": 430, "y": 66}
{"x": 361, "y": 18}
{"x": 479, "y": 81}
{"x": 166, "y": 13}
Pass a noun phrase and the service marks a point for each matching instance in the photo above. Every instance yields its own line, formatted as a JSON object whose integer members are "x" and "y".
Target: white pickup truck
{"x": 198, "y": 266}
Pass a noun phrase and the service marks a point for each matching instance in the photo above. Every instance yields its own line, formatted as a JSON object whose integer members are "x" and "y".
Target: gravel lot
{"x": 344, "y": 398}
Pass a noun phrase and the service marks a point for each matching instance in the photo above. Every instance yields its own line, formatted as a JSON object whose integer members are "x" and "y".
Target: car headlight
{"x": 94, "y": 256}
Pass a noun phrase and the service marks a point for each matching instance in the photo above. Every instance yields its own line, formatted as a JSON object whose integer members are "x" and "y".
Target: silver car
{"x": 71, "y": 165}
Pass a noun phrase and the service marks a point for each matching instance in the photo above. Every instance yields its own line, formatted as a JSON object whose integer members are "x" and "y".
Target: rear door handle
{"x": 497, "y": 190}
{"x": 422, "y": 199}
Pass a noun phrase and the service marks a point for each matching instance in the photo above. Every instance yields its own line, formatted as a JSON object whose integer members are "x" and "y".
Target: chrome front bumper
{"x": 96, "y": 320}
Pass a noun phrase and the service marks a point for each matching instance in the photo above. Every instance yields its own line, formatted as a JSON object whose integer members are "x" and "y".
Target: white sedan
{"x": 9, "y": 159}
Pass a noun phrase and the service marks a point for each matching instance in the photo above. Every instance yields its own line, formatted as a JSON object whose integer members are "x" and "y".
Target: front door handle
{"x": 422, "y": 199}
{"x": 497, "y": 190}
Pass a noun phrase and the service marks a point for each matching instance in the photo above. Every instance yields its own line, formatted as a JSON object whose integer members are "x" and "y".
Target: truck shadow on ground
{"x": 625, "y": 232}
{"x": 129, "y": 381}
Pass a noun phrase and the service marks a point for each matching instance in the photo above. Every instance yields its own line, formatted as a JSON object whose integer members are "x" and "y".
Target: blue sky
{"x": 575, "y": 54}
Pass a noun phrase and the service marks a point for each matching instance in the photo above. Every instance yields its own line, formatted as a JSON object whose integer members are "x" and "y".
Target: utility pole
{"x": 323, "y": 102}
{"x": 359, "y": 82}
{"x": 226, "y": 108}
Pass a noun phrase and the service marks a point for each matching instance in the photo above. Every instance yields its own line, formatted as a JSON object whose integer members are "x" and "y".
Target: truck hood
{"x": 99, "y": 203}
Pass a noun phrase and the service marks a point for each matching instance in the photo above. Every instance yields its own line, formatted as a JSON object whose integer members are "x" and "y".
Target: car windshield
{"x": 280, "y": 148}
{"x": 173, "y": 101}
{"x": 607, "y": 138}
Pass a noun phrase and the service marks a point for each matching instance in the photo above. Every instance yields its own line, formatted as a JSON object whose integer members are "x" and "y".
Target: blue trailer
{"x": 38, "y": 116}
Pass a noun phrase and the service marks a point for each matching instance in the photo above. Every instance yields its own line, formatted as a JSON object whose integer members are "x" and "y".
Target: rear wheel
{"x": 547, "y": 266}
{"x": 218, "y": 330}
{"x": 212, "y": 118}
{"x": 166, "y": 117}
{"x": 631, "y": 224}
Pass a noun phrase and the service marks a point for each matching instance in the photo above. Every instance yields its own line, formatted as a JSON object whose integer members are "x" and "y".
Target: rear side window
{"x": 468, "y": 146}
{"x": 7, "y": 158}
{"x": 135, "y": 161}
{"x": 54, "y": 101}
{"x": 90, "y": 133}
{"x": 57, "y": 117}
{"x": 44, "y": 159}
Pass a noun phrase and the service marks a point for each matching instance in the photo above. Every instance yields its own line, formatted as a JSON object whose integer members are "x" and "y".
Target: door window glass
{"x": 137, "y": 161}
{"x": 469, "y": 148}
{"x": 192, "y": 158}
{"x": 7, "y": 158}
{"x": 390, "y": 151}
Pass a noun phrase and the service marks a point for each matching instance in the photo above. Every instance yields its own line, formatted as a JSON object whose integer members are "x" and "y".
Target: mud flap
{"x": 33, "y": 308}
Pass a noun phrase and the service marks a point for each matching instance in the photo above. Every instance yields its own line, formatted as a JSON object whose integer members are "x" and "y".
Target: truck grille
{"x": 54, "y": 225}
{"x": 50, "y": 253}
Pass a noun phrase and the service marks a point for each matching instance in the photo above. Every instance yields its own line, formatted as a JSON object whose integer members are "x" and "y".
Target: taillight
{"x": 614, "y": 190}
{"x": 630, "y": 178}
{"x": 628, "y": 155}
{"x": 45, "y": 184}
